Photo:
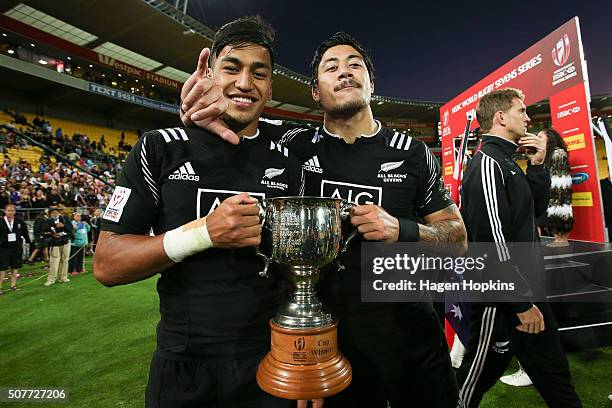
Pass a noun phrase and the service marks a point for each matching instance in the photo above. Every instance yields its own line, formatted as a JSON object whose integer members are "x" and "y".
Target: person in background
{"x": 79, "y": 244}
{"x": 58, "y": 229}
{"x": 12, "y": 234}
{"x": 559, "y": 217}
{"x": 40, "y": 241}
{"x": 95, "y": 229}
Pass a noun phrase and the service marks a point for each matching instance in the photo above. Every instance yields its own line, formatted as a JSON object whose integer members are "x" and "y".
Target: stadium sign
{"x": 131, "y": 98}
{"x": 553, "y": 68}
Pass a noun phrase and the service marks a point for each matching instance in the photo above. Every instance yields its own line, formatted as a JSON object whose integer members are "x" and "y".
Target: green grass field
{"x": 97, "y": 343}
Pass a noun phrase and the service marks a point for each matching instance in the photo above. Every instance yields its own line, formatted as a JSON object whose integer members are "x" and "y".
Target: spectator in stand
{"x": 39, "y": 200}
{"x": 102, "y": 141}
{"x": 73, "y": 156}
{"x": 40, "y": 240}
{"x": 79, "y": 244}
{"x": 54, "y": 199}
{"x": 4, "y": 197}
{"x": 58, "y": 229}
{"x": 12, "y": 234}
{"x": 14, "y": 195}
{"x": 90, "y": 198}
{"x": 24, "y": 200}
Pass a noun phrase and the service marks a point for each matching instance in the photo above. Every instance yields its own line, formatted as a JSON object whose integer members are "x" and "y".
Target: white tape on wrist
{"x": 180, "y": 244}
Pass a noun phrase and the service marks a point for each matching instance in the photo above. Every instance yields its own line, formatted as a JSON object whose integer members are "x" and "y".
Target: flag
{"x": 456, "y": 311}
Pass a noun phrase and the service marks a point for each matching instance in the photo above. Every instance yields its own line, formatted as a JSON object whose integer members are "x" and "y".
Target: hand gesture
{"x": 535, "y": 148}
{"x": 203, "y": 102}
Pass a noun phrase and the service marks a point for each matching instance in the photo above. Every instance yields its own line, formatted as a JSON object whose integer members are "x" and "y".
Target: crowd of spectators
{"x": 56, "y": 182}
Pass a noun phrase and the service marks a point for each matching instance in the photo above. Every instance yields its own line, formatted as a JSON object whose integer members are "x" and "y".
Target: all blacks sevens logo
{"x": 354, "y": 193}
{"x": 209, "y": 199}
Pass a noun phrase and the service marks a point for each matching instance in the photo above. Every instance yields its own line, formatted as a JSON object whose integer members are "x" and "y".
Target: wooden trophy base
{"x": 304, "y": 364}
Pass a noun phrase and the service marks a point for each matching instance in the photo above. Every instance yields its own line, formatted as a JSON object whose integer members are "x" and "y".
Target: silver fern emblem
{"x": 386, "y": 167}
{"x": 272, "y": 172}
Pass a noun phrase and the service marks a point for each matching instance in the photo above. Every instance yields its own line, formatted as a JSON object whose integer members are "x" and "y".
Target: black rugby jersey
{"x": 388, "y": 169}
{"x": 212, "y": 303}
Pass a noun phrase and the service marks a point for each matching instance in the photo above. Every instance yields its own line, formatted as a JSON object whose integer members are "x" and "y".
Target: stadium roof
{"x": 155, "y": 36}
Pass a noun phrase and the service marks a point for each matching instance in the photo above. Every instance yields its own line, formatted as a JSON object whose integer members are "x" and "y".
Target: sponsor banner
{"x": 130, "y": 97}
{"x": 547, "y": 67}
{"x": 570, "y": 115}
{"x": 553, "y": 68}
{"x": 87, "y": 54}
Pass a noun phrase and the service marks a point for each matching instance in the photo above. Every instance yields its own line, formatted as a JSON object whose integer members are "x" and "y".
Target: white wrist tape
{"x": 180, "y": 244}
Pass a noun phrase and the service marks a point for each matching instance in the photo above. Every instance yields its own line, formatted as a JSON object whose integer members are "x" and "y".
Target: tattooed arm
{"x": 444, "y": 226}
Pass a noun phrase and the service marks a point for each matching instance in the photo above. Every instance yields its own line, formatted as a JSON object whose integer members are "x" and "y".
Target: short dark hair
{"x": 340, "y": 38}
{"x": 241, "y": 32}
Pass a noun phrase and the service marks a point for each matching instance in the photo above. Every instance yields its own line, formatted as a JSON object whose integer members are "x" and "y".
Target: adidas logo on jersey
{"x": 185, "y": 172}
{"x": 313, "y": 165}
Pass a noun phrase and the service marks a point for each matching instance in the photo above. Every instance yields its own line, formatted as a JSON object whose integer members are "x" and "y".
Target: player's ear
{"x": 315, "y": 94}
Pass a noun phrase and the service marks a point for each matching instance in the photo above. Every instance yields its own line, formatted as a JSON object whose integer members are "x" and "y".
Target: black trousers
{"x": 183, "y": 382}
{"x": 75, "y": 264}
{"x": 494, "y": 339}
{"x": 399, "y": 359}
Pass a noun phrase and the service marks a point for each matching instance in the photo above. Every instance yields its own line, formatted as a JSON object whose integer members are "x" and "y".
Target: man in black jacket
{"x": 500, "y": 204}
{"x": 12, "y": 233}
{"x": 58, "y": 228}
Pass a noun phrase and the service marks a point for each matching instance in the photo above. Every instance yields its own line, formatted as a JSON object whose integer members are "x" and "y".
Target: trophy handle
{"x": 262, "y": 218}
{"x": 345, "y": 211}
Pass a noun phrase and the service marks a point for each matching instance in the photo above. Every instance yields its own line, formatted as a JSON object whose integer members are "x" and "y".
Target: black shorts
{"x": 11, "y": 258}
{"x": 401, "y": 362}
{"x": 40, "y": 244}
{"x": 183, "y": 382}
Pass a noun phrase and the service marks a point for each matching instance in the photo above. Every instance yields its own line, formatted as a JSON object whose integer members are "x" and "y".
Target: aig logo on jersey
{"x": 387, "y": 175}
{"x": 354, "y": 193}
{"x": 270, "y": 174}
{"x": 209, "y": 199}
{"x": 185, "y": 172}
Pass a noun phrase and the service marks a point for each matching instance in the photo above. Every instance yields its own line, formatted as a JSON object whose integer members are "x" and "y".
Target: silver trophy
{"x": 303, "y": 234}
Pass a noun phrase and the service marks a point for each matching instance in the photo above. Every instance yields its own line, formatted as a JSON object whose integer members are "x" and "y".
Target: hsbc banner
{"x": 547, "y": 68}
{"x": 571, "y": 118}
